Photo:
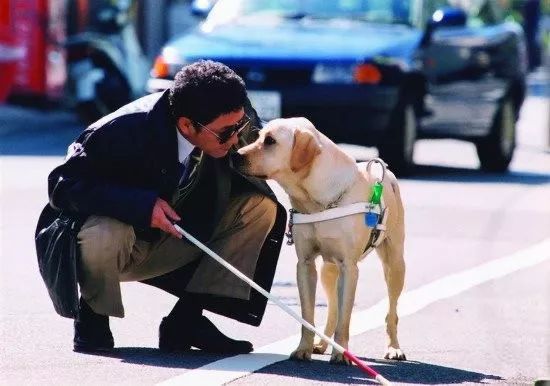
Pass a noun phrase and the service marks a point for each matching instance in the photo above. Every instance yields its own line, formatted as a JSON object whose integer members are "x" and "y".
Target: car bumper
{"x": 342, "y": 112}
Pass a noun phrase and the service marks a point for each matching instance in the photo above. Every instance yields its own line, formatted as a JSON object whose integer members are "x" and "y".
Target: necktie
{"x": 188, "y": 176}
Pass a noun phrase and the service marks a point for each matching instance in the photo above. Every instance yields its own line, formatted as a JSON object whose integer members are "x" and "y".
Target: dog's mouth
{"x": 260, "y": 176}
{"x": 243, "y": 165}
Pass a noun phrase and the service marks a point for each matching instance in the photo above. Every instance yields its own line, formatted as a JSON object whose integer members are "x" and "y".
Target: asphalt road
{"x": 476, "y": 307}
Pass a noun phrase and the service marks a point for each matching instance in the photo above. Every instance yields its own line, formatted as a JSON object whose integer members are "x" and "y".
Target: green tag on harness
{"x": 376, "y": 193}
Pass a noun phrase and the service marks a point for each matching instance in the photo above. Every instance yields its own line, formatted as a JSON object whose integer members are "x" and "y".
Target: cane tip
{"x": 382, "y": 380}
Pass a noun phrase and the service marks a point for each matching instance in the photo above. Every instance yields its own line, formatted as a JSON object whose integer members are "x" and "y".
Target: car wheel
{"x": 495, "y": 151}
{"x": 90, "y": 111}
{"x": 397, "y": 147}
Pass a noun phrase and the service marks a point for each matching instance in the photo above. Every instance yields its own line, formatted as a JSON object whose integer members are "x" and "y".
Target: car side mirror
{"x": 448, "y": 17}
{"x": 201, "y": 8}
{"x": 444, "y": 17}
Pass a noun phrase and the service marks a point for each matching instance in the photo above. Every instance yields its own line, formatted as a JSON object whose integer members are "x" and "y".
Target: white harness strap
{"x": 329, "y": 214}
{"x": 343, "y": 211}
{"x": 348, "y": 210}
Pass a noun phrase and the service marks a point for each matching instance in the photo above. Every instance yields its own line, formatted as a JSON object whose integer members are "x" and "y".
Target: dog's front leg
{"x": 306, "y": 275}
{"x": 347, "y": 283}
{"x": 329, "y": 278}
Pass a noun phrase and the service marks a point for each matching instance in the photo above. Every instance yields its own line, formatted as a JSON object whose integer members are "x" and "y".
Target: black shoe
{"x": 91, "y": 331}
{"x": 178, "y": 335}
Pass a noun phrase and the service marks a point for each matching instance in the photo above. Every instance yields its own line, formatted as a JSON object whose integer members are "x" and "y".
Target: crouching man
{"x": 161, "y": 159}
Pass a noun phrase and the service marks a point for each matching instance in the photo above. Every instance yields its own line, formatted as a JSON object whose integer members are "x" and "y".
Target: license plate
{"x": 266, "y": 103}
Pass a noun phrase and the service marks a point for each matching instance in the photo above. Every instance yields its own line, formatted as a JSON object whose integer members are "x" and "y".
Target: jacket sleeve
{"x": 91, "y": 181}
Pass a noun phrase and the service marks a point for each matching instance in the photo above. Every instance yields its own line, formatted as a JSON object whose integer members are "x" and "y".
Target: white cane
{"x": 240, "y": 275}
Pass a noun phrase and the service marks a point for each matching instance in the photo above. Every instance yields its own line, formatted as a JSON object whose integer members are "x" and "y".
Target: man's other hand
{"x": 163, "y": 216}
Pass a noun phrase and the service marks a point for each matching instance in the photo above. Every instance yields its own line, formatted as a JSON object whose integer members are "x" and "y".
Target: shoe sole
{"x": 84, "y": 348}
{"x": 172, "y": 349}
{"x": 190, "y": 349}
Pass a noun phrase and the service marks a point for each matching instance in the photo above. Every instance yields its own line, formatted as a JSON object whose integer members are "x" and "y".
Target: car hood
{"x": 319, "y": 41}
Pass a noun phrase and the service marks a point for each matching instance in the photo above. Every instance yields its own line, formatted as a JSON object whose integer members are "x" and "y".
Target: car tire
{"x": 495, "y": 151}
{"x": 397, "y": 147}
{"x": 90, "y": 111}
{"x": 111, "y": 93}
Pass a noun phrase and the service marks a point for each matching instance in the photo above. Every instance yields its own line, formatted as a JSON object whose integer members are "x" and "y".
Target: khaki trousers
{"x": 111, "y": 253}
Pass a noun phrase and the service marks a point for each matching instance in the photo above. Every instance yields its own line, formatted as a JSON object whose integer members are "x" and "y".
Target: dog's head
{"x": 284, "y": 147}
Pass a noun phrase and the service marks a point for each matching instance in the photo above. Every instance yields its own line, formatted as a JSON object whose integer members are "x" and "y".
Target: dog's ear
{"x": 306, "y": 147}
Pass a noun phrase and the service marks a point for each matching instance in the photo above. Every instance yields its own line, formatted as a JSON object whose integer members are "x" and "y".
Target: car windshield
{"x": 376, "y": 11}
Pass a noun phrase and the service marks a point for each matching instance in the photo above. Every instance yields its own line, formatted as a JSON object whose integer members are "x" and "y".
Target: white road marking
{"x": 228, "y": 369}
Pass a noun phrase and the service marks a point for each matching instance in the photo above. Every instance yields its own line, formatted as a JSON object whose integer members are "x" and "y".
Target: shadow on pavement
{"x": 317, "y": 370}
{"x": 452, "y": 174}
{"x": 398, "y": 372}
{"x": 26, "y": 132}
{"x": 154, "y": 357}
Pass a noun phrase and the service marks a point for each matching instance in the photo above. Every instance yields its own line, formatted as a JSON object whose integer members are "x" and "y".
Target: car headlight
{"x": 167, "y": 64}
{"x": 160, "y": 69}
{"x": 364, "y": 73}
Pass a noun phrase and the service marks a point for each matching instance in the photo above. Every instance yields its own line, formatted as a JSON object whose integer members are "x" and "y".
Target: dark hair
{"x": 204, "y": 90}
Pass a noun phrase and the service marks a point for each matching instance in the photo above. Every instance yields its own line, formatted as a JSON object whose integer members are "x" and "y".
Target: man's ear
{"x": 306, "y": 147}
{"x": 186, "y": 127}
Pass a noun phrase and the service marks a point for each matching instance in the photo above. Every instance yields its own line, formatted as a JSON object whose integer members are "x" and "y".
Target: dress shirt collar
{"x": 184, "y": 147}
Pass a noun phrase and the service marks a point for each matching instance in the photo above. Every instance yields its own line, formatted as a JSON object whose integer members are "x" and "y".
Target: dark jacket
{"x": 119, "y": 166}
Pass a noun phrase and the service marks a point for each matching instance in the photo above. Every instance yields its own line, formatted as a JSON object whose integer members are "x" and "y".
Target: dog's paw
{"x": 337, "y": 358}
{"x": 300, "y": 355}
{"x": 320, "y": 348}
{"x": 395, "y": 354}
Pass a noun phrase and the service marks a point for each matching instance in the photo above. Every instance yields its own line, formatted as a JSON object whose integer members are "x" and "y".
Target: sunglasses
{"x": 228, "y": 133}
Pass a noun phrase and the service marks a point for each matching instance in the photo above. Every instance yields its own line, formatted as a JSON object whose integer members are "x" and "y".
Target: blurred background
{"x": 369, "y": 73}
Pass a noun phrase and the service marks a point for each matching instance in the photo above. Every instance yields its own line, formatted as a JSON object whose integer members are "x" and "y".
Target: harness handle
{"x": 383, "y": 165}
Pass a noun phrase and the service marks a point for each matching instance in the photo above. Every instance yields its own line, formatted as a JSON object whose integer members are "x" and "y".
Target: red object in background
{"x": 9, "y": 54}
{"x": 39, "y": 30}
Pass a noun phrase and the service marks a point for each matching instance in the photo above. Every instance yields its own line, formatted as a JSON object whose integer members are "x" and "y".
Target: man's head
{"x": 206, "y": 101}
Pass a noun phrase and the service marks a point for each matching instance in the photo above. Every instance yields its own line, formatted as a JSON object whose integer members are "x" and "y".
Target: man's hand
{"x": 162, "y": 218}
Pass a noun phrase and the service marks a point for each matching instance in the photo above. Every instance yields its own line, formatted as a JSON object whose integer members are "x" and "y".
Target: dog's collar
{"x": 334, "y": 203}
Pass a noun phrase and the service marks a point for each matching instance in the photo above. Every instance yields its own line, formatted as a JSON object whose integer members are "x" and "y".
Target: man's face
{"x": 208, "y": 136}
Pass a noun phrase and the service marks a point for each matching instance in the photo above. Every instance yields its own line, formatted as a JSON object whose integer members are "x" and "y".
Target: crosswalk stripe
{"x": 228, "y": 369}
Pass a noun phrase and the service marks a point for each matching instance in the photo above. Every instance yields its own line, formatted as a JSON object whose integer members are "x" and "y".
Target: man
{"x": 163, "y": 159}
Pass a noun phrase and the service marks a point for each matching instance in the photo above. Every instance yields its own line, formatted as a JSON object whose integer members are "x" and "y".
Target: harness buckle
{"x": 288, "y": 234}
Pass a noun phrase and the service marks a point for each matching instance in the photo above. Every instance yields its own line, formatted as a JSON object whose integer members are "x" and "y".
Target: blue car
{"x": 378, "y": 73}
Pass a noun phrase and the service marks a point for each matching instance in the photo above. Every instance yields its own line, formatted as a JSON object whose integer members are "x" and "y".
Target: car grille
{"x": 271, "y": 77}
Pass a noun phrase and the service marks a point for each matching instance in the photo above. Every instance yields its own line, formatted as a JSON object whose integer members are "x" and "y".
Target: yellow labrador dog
{"x": 317, "y": 175}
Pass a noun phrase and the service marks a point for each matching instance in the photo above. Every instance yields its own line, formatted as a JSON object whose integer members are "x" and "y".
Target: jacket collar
{"x": 165, "y": 142}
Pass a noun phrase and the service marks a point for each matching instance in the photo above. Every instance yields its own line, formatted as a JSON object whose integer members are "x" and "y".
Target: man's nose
{"x": 234, "y": 139}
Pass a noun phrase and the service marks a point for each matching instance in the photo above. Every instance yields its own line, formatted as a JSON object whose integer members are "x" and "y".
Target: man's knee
{"x": 270, "y": 209}
{"x": 106, "y": 240}
{"x": 262, "y": 209}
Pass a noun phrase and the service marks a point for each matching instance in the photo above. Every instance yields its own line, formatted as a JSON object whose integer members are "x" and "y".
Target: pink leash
{"x": 362, "y": 365}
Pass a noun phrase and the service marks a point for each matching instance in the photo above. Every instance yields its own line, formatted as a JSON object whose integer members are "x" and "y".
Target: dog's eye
{"x": 269, "y": 141}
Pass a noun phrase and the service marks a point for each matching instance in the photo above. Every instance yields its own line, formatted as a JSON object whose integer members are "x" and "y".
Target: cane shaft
{"x": 288, "y": 310}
